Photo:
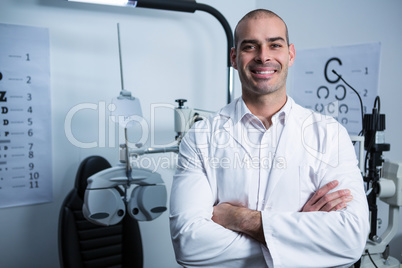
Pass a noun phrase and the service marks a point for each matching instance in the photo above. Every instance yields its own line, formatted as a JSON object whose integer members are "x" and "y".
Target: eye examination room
{"x": 200, "y": 133}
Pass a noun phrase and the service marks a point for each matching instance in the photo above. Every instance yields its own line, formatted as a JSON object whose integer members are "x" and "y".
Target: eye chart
{"x": 316, "y": 87}
{"x": 25, "y": 121}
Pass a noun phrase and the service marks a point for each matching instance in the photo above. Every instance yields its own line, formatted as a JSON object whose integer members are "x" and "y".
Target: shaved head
{"x": 257, "y": 14}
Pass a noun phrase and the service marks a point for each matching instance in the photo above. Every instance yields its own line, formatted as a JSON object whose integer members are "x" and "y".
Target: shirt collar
{"x": 281, "y": 116}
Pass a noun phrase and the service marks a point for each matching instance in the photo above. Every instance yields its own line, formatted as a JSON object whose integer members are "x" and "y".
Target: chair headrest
{"x": 87, "y": 168}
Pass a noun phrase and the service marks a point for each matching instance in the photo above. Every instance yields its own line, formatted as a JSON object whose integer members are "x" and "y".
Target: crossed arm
{"x": 247, "y": 221}
{"x": 225, "y": 234}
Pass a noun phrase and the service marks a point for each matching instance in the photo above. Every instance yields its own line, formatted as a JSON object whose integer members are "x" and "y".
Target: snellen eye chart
{"x": 25, "y": 116}
{"x": 315, "y": 86}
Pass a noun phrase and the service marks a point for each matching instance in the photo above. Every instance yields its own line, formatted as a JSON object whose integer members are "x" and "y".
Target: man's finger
{"x": 320, "y": 193}
{"x": 332, "y": 199}
{"x": 341, "y": 198}
{"x": 326, "y": 188}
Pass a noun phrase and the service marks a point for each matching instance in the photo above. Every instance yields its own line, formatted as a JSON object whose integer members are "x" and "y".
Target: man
{"x": 255, "y": 184}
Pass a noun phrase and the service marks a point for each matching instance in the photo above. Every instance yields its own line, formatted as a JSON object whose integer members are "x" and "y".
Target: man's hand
{"x": 322, "y": 201}
{"x": 239, "y": 219}
{"x": 227, "y": 215}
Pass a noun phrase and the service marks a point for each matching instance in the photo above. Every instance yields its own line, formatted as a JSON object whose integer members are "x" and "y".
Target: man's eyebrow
{"x": 270, "y": 40}
{"x": 274, "y": 39}
{"x": 249, "y": 41}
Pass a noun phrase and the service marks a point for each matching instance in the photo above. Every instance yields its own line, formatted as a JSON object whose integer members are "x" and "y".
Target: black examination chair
{"x": 84, "y": 244}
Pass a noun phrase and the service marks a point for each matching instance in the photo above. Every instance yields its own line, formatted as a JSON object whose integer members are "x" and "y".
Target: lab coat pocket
{"x": 283, "y": 191}
{"x": 309, "y": 183}
{"x": 233, "y": 172}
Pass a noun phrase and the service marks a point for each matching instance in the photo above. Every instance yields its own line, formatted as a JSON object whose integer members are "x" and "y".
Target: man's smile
{"x": 263, "y": 72}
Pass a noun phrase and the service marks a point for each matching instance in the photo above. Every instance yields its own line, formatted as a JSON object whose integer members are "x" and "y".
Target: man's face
{"x": 262, "y": 56}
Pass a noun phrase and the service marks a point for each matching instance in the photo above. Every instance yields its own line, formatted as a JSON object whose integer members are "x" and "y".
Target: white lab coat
{"x": 313, "y": 150}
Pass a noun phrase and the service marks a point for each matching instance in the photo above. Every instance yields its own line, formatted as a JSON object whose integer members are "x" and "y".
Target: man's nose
{"x": 263, "y": 55}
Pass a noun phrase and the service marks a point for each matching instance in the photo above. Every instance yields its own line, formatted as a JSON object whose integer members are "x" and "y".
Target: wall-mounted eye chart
{"x": 316, "y": 87}
{"x": 25, "y": 120}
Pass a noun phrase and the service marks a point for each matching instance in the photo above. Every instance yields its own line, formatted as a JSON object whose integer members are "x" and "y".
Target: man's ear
{"x": 292, "y": 54}
{"x": 233, "y": 57}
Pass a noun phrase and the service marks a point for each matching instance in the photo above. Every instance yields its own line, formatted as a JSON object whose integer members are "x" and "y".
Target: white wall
{"x": 166, "y": 55}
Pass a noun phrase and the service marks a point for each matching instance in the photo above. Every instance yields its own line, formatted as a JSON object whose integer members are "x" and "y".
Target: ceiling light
{"x": 109, "y": 2}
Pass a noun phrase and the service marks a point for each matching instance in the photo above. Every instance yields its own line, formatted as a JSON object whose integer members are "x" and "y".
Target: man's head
{"x": 255, "y": 14}
{"x": 262, "y": 53}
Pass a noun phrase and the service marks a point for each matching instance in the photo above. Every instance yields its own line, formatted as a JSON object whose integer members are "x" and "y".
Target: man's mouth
{"x": 263, "y": 72}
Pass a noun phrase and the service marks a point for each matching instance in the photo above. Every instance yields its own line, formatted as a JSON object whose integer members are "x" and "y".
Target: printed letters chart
{"x": 25, "y": 116}
{"x": 316, "y": 87}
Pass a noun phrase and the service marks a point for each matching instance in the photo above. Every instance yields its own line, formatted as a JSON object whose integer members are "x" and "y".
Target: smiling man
{"x": 265, "y": 182}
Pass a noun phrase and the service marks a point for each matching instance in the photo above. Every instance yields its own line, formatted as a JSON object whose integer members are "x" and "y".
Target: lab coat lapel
{"x": 236, "y": 132}
{"x": 287, "y": 152}
{"x": 233, "y": 126}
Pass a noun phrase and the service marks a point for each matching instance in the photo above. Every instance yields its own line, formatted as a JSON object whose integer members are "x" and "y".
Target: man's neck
{"x": 265, "y": 106}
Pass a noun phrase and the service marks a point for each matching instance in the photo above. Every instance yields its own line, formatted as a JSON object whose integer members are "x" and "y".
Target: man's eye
{"x": 248, "y": 47}
{"x": 276, "y": 45}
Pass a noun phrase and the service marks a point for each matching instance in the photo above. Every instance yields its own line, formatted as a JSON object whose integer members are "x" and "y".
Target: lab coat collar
{"x": 234, "y": 112}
